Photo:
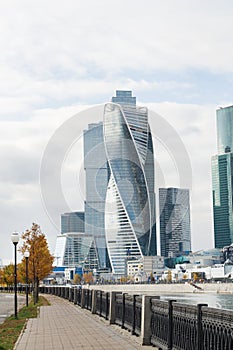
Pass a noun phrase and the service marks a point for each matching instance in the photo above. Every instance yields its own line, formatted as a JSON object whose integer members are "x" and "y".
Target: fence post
{"x": 101, "y": 302}
{"x": 112, "y": 309}
{"x": 107, "y": 306}
{"x": 75, "y": 296}
{"x": 93, "y": 304}
{"x": 146, "y": 319}
{"x": 134, "y": 315}
{"x": 199, "y": 326}
{"x": 83, "y": 292}
{"x": 170, "y": 325}
{"x": 70, "y": 294}
{"x": 123, "y": 311}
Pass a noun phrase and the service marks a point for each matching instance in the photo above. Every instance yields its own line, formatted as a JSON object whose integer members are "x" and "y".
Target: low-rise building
{"x": 143, "y": 270}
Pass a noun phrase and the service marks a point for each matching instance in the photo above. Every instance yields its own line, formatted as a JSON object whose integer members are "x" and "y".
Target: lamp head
{"x": 26, "y": 254}
{"x": 15, "y": 237}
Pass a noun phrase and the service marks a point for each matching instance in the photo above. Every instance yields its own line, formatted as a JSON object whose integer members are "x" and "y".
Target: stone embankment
{"x": 166, "y": 288}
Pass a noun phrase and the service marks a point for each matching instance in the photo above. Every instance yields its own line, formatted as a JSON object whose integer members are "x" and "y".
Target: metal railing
{"x": 165, "y": 324}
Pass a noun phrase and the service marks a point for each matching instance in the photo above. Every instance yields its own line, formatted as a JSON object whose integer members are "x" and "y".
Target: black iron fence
{"x": 167, "y": 325}
{"x": 20, "y": 289}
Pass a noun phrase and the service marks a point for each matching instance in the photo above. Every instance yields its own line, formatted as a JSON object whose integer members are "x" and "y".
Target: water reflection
{"x": 220, "y": 301}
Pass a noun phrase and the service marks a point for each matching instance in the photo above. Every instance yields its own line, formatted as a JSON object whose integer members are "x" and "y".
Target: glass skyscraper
{"x": 73, "y": 246}
{"x": 130, "y": 199}
{"x": 222, "y": 179}
{"x": 96, "y": 173}
{"x": 72, "y": 222}
{"x": 175, "y": 233}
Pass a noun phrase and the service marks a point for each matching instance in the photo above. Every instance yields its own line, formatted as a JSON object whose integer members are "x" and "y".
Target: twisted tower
{"x": 130, "y": 199}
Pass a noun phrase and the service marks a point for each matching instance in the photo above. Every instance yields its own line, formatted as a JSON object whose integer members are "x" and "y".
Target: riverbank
{"x": 166, "y": 288}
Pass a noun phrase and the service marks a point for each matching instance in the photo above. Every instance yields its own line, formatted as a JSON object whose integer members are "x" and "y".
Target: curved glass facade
{"x": 129, "y": 207}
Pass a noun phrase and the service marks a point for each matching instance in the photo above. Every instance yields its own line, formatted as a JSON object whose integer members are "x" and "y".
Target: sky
{"x": 61, "y": 59}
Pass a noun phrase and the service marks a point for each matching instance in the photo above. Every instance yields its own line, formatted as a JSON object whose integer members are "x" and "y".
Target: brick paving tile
{"x": 65, "y": 326}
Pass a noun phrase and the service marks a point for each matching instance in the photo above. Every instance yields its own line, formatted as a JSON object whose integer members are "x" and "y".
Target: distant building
{"x": 206, "y": 257}
{"x": 175, "y": 233}
{"x": 142, "y": 270}
{"x": 222, "y": 179}
{"x": 228, "y": 254}
{"x": 76, "y": 249}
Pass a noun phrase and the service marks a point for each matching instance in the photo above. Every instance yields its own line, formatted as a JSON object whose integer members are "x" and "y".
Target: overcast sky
{"x": 61, "y": 57}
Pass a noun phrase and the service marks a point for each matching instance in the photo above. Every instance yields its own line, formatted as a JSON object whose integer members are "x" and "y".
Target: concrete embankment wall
{"x": 166, "y": 288}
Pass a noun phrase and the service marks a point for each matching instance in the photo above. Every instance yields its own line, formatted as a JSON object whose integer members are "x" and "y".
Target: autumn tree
{"x": 169, "y": 276}
{"x": 1, "y": 277}
{"x": 8, "y": 274}
{"x": 77, "y": 278}
{"x": 88, "y": 277}
{"x": 40, "y": 260}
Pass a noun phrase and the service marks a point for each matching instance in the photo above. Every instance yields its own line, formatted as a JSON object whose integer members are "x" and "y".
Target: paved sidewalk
{"x": 63, "y": 325}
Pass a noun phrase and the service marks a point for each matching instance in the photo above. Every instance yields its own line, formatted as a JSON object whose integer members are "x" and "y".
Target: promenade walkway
{"x": 63, "y": 325}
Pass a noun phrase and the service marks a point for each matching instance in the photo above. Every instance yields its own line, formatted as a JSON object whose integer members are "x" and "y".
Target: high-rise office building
{"x": 130, "y": 200}
{"x": 96, "y": 174}
{"x": 73, "y": 246}
{"x": 222, "y": 179}
{"x": 72, "y": 222}
{"x": 175, "y": 233}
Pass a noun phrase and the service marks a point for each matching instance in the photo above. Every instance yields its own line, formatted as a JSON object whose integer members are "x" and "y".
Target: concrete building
{"x": 141, "y": 270}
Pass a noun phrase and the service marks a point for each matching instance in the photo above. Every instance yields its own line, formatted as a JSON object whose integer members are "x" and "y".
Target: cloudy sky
{"x": 61, "y": 57}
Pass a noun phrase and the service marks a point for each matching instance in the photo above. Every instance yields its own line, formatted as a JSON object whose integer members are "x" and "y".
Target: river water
{"x": 220, "y": 301}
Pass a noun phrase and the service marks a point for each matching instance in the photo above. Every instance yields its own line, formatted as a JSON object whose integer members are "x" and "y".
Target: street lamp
{"x": 26, "y": 255}
{"x": 15, "y": 241}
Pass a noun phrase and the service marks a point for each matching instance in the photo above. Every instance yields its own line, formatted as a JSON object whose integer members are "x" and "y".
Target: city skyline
{"x": 178, "y": 63}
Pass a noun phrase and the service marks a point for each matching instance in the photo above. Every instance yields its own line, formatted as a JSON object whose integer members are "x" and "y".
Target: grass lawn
{"x": 11, "y": 328}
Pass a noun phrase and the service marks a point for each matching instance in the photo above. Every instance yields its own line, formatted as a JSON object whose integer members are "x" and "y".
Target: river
{"x": 220, "y": 301}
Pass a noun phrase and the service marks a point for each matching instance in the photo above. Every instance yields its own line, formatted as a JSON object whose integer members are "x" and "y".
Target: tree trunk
{"x": 36, "y": 291}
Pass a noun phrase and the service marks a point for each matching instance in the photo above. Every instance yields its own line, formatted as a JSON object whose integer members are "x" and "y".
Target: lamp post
{"x": 15, "y": 241}
{"x": 26, "y": 255}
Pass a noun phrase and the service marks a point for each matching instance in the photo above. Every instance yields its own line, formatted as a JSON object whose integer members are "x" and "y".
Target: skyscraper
{"x": 175, "y": 235}
{"x": 96, "y": 174}
{"x": 72, "y": 222}
{"x": 222, "y": 179}
{"x": 73, "y": 246}
{"x": 130, "y": 199}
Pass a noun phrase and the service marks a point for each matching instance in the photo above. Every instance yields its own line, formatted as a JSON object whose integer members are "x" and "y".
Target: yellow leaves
{"x": 40, "y": 260}
{"x": 88, "y": 277}
{"x": 8, "y": 274}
